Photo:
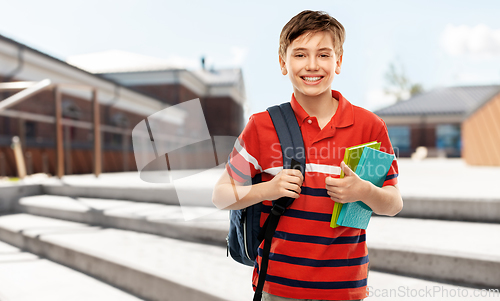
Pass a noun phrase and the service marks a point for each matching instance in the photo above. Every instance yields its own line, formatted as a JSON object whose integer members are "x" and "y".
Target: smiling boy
{"x": 309, "y": 259}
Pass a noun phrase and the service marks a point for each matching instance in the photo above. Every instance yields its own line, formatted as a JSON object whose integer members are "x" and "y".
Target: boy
{"x": 309, "y": 259}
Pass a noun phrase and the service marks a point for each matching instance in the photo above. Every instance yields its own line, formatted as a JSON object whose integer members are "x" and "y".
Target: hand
{"x": 286, "y": 183}
{"x": 348, "y": 189}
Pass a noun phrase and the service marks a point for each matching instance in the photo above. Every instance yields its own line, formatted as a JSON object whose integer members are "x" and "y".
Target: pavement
{"x": 448, "y": 178}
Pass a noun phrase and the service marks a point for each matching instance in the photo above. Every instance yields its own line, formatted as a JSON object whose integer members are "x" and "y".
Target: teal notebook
{"x": 373, "y": 166}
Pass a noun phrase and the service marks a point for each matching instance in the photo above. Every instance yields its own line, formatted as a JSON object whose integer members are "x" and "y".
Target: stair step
{"x": 441, "y": 189}
{"x": 211, "y": 226}
{"x": 461, "y": 252}
{"x": 390, "y": 287}
{"x": 129, "y": 186}
{"x": 446, "y": 195}
{"x": 26, "y": 277}
{"x": 149, "y": 266}
{"x": 472, "y": 209}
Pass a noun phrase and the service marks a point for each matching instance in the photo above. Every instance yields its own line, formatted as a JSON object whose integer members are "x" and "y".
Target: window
{"x": 118, "y": 120}
{"x": 400, "y": 137}
{"x": 448, "y": 136}
{"x": 30, "y": 128}
{"x": 70, "y": 110}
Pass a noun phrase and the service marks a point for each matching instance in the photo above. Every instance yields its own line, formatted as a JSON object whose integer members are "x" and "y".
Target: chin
{"x": 315, "y": 92}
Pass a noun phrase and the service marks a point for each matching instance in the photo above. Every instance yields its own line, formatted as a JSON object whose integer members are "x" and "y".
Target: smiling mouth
{"x": 311, "y": 78}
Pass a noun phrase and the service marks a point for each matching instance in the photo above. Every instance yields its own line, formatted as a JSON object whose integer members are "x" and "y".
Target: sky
{"x": 436, "y": 43}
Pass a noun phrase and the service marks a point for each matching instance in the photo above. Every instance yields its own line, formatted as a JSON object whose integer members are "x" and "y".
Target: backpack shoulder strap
{"x": 295, "y": 134}
{"x": 289, "y": 134}
{"x": 292, "y": 147}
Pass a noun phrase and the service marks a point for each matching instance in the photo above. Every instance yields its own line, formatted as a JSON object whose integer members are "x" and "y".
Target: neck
{"x": 322, "y": 106}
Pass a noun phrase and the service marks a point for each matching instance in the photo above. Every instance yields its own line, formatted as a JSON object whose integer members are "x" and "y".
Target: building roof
{"x": 219, "y": 76}
{"x": 109, "y": 63}
{"x": 443, "y": 101}
{"x": 108, "y": 66}
{"x": 52, "y": 58}
{"x": 117, "y": 61}
{"x": 34, "y": 63}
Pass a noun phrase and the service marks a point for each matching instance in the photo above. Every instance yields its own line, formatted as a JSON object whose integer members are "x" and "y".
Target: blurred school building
{"x": 450, "y": 122}
{"x": 128, "y": 87}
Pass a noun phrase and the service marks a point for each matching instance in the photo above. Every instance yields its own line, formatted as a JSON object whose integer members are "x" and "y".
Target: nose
{"x": 312, "y": 63}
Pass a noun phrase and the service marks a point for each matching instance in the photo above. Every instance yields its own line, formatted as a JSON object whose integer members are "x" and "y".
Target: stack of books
{"x": 370, "y": 164}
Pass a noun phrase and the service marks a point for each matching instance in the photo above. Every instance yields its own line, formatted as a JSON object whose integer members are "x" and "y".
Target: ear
{"x": 338, "y": 64}
{"x": 283, "y": 66}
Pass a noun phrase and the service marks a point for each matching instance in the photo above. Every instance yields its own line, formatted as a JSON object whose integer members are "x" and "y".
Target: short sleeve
{"x": 243, "y": 161}
{"x": 386, "y": 147}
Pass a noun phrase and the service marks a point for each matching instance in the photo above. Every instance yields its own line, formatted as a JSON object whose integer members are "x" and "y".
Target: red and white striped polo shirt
{"x": 309, "y": 259}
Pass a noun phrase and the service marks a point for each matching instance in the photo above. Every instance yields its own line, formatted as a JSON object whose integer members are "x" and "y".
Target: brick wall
{"x": 168, "y": 93}
{"x": 224, "y": 116}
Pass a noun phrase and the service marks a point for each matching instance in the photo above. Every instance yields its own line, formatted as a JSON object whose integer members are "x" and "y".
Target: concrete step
{"x": 149, "y": 266}
{"x": 158, "y": 268}
{"x": 460, "y": 208}
{"x": 461, "y": 252}
{"x": 26, "y": 277}
{"x": 449, "y": 189}
{"x": 390, "y": 287}
{"x": 445, "y": 195}
{"x": 12, "y": 192}
{"x": 466, "y": 208}
{"x": 472, "y": 209}
{"x": 175, "y": 189}
{"x": 210, "y": 226}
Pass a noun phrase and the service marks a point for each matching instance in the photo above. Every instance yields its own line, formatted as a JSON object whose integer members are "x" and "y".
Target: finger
{"x": 291, "y": 193}
{"x": 294, "y": 172}
{"x": 299, "y": 174}
{"x": 293, "y": 187}
{"x": 334, "y": 192}
{"x": 338, "y": 200}
{"x": 333, "y": 181}
{"x": 293, "y": 179}
{"x": 337, "y": 197}
{"x": 346, "y": 169}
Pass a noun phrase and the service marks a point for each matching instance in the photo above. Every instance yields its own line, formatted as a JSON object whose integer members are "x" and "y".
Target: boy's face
{"x": 311, "y": 63}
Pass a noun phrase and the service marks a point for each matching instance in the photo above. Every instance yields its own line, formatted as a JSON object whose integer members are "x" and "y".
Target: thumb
{"x": 346, "y": 169}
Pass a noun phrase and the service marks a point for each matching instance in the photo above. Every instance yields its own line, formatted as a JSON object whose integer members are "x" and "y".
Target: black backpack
{"x": 245, "y": 233}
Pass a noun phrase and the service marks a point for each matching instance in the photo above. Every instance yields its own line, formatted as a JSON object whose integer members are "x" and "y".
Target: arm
{"x": 232, "y": 195}
{"x": 384, "y": 201}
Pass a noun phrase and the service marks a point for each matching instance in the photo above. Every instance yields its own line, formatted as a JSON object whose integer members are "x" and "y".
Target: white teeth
{"x": 311, "y": 79}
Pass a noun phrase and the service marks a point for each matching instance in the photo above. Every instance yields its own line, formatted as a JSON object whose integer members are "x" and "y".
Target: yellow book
{"x": 351, "y": 158}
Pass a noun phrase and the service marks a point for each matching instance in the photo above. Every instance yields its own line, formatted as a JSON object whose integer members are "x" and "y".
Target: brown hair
{"x": 311, "y": 21}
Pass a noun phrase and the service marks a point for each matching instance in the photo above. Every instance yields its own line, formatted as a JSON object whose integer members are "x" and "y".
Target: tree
{"x": 399, "y": 84}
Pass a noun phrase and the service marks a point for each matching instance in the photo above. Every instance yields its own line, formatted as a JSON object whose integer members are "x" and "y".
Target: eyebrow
{"x": 305, "y": 49}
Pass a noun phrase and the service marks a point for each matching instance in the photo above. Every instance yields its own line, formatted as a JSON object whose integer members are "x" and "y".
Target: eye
{"x": 299, "y": 55}
{"x": 325, "y": 55}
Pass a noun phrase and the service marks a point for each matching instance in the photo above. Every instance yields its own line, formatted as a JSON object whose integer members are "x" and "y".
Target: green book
{"x": 373, "y": 166}
{"x": 352, "y": 156}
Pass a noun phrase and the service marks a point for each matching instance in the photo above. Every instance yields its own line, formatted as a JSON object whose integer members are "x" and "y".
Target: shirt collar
{"x": 343, "y": 117}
